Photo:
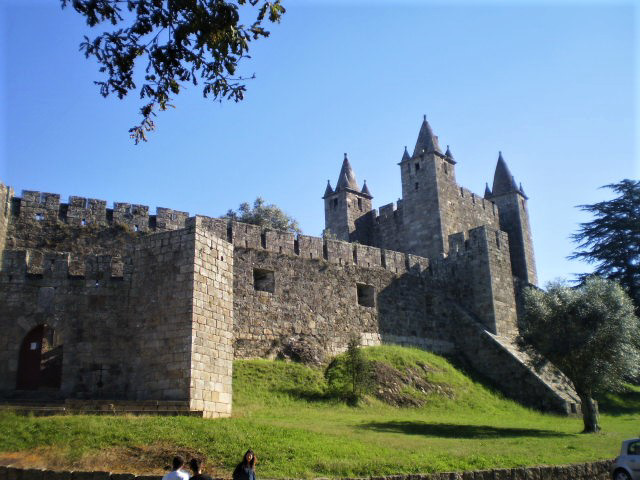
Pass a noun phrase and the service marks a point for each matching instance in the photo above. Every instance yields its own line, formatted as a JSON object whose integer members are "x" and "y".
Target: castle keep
{"x": 115, "y": 304}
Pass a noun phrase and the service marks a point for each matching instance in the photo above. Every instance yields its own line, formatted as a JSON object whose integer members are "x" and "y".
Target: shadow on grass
{"x": 620, "y": 403}
{"x": 450, "y": 430}
{"x": 313, "y": 396}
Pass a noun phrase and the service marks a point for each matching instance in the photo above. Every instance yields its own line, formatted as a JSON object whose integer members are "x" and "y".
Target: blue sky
{"x": 554, "y": 85}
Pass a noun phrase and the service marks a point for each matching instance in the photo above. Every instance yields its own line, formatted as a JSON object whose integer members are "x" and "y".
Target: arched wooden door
{"x": 40, "y": 361}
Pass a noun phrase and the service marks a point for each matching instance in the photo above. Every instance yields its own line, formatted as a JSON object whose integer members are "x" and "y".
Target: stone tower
{"x": 514, "y": 219}
{"x": 425, "y": 175}
{"x": 346, "y": 204}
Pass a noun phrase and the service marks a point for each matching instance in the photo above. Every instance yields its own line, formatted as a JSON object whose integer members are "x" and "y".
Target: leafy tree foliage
{"x": 267, "y": 216}
{"x": 612, "y": 239}
{"x": 178, "y": 41}
{"x": 350, "y": 376}
{"x": 589, "y": 332}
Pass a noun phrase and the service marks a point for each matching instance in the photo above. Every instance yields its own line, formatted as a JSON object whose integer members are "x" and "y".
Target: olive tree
{"x": 589, "y": 332}
{"x": 265, "y": 215}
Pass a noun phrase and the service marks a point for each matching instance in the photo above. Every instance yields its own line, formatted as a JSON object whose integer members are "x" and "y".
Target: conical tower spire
{"x": 522, "y": 191}
{"x": 427, "y": 141}
{"x": 503, "y": 181}
{"x": 328, "y": 191}
{"x": 365, "y": 189}
{"x": 487, "y": 191}
{"x": 346, "y": 179}
{"x": 449, "y": 156}
{"x": 405, "y": 155}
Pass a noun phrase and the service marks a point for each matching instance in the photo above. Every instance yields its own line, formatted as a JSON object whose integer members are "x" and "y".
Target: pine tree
{"x": 611, "y": 240}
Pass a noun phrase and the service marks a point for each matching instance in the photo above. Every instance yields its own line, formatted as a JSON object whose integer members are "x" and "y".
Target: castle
{"x": 114, "y": 304}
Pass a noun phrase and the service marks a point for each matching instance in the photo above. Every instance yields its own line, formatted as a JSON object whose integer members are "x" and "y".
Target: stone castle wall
{"x": 433, "y": 208}
{"x": 157, "y": 306}
{"x": 514, "y": 219}
{"x": 83, "y": 303}
{"x": 139, "y": 324}
{"x": 212, "y": 322}
{"x": 6, "y": 193}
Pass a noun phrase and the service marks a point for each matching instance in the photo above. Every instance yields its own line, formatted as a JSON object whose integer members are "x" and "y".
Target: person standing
{"x": 196, "y": 468}
{"x": 177, "y": 473}
{"x": 246, "y": 470}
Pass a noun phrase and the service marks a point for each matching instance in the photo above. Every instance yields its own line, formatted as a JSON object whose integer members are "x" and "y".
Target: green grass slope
{"x": 285, "y": 412}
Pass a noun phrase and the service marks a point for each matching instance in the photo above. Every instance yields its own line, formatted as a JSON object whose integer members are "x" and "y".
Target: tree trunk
{"x": 589, "y": 413}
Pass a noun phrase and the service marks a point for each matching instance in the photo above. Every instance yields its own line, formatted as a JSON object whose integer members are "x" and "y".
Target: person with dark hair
{"x": 196, "y": 467}
{"x": 177, "y": 473}
{"x": 246, "y": 469}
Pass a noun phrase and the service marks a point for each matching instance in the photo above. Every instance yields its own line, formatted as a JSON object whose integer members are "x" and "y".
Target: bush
{"x": 350, "y": 375}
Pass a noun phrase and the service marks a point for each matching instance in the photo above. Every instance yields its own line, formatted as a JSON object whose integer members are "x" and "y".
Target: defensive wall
{"x": 157, "y": 306}
{"x": 599, "y": 470}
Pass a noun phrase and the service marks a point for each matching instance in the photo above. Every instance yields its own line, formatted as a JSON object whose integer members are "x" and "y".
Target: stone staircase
{"x": 531, "y": 381}
{"x": 545, "y": 371}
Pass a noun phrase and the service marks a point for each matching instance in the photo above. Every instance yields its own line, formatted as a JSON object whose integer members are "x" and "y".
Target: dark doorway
{"x": 40, "y": 361}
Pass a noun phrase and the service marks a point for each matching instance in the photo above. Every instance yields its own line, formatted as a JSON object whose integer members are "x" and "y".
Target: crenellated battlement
{"x": 471, "y": 201}
{"x": 35, "y": 207}
{"x": 42, "y": 207}
{"x": 244, "y": 235}
{"x": 478, "y": 240}
{"x": 60, "y": 265}
{"x": 388, "y": 211}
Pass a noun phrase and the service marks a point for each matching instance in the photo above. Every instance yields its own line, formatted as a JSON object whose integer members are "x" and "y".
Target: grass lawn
{"x": 283, "y": 411}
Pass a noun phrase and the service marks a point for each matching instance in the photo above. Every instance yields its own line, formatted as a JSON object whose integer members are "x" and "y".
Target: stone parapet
{"x": 40, "y": 207}
{"x": 599, "y": 470}
{"x": 51, "y": 265}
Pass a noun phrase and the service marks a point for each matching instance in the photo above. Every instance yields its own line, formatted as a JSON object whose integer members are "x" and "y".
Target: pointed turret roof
{"x": 365, "y": 189}
{"x": 347, "y": 179}
{"x": 487, "y": 191}
{"x": 522, "y": 191}
{"x": 328, "y": 191}
{"x": 449, "y": 156}
{"x": 427, "y": 141}
{"x": 503, "y": 181}
{"x": 405, "y": 155}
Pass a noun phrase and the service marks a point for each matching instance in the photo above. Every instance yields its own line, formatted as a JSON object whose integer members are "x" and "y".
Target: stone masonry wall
{"x": 514, "y": 219}
{"x": 433, "y": 207}
{"x": 477, "y": 275}
{"x": 154, "y": 307}
{"x": 212, "y": 323}
{"x": 314, "y": 294}
{"x": 6, "y": 193}
{"x": 40, "y": 221}
{"x": 161, "y": 313}
{"x": 599, "y": 470}
{"x": 154, "y": 325}
{"x": 84, "y": 300}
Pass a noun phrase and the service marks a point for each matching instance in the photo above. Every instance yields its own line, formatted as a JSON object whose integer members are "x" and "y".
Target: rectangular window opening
{"x": 417, "y": 167}
{"x": 366, "y": 295}
{"x": 360, "y": 203}
{"x": 417, "y": 185}
{"x": 264, "y": 280}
